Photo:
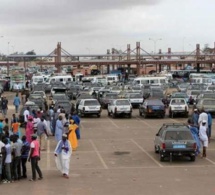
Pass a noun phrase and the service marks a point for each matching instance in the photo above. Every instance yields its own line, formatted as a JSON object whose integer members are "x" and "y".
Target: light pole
{"x": 155, "y": 42}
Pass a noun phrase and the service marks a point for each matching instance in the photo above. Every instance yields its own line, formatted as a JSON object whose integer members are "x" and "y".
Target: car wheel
{"x": 156, "y": 150}
{"x": 129, "y": 115}
{"x": 98, "y": 115}
{"x": 108, "y": 113}
{"x": 161, "y": 157}
{"x": 192, "y": 158}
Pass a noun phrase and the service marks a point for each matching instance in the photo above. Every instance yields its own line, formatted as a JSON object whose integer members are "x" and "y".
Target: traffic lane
{"x": 150, "y": 181}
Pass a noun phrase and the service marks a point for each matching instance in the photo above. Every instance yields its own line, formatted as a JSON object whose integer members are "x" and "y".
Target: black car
{"x": 152, "y": 107}
{"x": 106, "y": 98}
{"x": 175, "y": 139}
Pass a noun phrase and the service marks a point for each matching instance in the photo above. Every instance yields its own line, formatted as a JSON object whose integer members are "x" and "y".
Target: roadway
{"x": 116, "y": 156}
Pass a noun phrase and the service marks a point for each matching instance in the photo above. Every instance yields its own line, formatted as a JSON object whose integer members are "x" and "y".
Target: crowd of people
{"x": 200, "y": 126}
{"x": 17, "y": 147}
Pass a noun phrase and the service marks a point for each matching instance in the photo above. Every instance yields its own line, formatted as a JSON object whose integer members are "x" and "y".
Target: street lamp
{"x": 155, "y": 42}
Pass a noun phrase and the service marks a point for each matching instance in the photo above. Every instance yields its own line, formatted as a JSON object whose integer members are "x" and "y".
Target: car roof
{"x": 154, "y": 101}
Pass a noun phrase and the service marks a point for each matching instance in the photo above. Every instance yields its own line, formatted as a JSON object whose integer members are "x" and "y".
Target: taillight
{"x": 163, "y": 146}
{"x": 194, "y": 146}
{"x": 115, "y": 109}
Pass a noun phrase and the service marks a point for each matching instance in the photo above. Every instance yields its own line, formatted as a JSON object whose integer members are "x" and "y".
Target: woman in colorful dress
{"x": 72, "y": 135}
{"x": 29, "y": 129}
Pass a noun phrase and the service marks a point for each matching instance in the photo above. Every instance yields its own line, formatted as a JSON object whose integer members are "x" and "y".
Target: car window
{"x": 122, "y": 102}
{"x": 209, "y": 102}
{"x": 178, "y": 135}
{"x": 91, "y": 103}
{"x": 177, "y": 101}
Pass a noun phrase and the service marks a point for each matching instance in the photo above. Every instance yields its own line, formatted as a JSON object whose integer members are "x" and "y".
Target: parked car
{"x": 203, "y": 95}
{"x": 65, "y": 104}
{"x": 180, "y": 95}
{"x": 89, "y": 107}
{"x": 120, "y": 107}
{"x": 107, "y": 98}
{"x": 152, "y": 107}
{"x": 175, "y": 140}
{"x": 136, "y": 99}
{"x": 178, "y": 106}
{"x": 208, "y": 104}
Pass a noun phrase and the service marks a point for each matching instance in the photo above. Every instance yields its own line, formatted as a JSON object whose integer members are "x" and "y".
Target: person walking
{"x": 203, "y": 117}
{"x": 203, "y": 137}
{"x": 7, "y": 162}
{"x": 4, "y": 105}
{"x": 24, "y": 156}
{"x": 77, "y": 121}
{"x": 195, "y": 117}
{"x": 63, "y": 152}
{"x": 16, "y": 151}
{"x": 42, "y": 133}
{"x": 72, "y": 135}
{"x": 34, "y": 157}
{"x": 209, "y": 125}
{"x": 29, "y": 129}
{"x": 195, "y": 134}
{"x": 16, "y": 102}
{"x": 26, "y": 114}
{"x": 2, "y": 152}
{"x": 59, "y": 129}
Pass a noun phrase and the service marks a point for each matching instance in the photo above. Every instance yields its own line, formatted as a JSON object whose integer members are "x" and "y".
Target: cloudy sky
{"x": 93, "y": 26}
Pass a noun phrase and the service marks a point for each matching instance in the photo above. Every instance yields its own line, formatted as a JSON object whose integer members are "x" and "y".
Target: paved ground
{"x": 116, "y": 156}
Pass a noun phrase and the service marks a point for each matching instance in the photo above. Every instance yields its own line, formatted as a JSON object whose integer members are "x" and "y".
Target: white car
{"x": 136, "y": 99}
{"x": 42, "y": 93}
{"x": 89, "y": 107}
{"x": 120, "y": 107}
{"x": 178, "y": 106}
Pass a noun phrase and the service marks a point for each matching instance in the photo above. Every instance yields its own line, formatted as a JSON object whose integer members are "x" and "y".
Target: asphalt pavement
{"x": 116, "y": 156}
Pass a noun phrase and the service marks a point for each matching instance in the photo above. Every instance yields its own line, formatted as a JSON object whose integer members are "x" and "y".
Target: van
{"x": 112, "y": 78}
{"x": 202, "y": 80}
{"x": 141, "y": 81}
{"x": 39, "y": 79}
{"x": 62, "y": 79}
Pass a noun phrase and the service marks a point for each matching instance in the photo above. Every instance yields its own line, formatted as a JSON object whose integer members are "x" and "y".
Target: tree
{"x": 32, "y": 52}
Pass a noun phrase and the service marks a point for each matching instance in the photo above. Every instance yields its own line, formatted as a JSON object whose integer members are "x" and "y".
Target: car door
{"x": 159, "y": 137}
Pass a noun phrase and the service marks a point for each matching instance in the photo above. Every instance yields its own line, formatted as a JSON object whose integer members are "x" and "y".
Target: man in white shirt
{"x": 203, "y": 137}
{"x": 2, "y": 150}
{"x": 203, "y": 116}
{"x": 26, "y": 114}
{"x": 36, "y": 122}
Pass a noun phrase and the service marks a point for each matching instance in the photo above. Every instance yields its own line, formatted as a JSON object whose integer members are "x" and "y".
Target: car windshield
{"x": 209, "y": 102}
{"x": 91, "y": 103}
{"x": 111, "y": 95}
{"x": 179, "y": 95}
{"x": 195, "y": 92}
{"x": 59, "y": 97}
{"x": 211, "y": 88}
{"x": 178, "y": 135}
{"x": 178, "y": 101}
{"x": 208, "y": 95}
{"x": 135, "y": 96}
{"x": 122, "y": 102}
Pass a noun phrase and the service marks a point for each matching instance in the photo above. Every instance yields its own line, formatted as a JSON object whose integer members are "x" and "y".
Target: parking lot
{"x": 116, "y": 156}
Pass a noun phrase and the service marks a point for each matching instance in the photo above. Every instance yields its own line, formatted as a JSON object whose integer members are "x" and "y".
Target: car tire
{"x": 109, "y": 113}
{"x": 161, "y": 157}
{"x": 98, "y": 115}
{"x": 192, "y": 158}
{"x": 156, "y": 150}
{"x": 129, "y": 115}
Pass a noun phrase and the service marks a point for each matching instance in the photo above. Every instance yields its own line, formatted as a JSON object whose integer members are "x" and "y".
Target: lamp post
{"x": 155, "y": 42}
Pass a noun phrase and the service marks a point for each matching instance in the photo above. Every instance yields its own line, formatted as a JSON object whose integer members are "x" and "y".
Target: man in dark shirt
{"x": 4, "y": 104}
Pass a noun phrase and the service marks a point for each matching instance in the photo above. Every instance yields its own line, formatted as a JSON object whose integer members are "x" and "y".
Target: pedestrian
{"x": 203, "y": 136}
{"x": 36, "y": 121}
{"x": 4, "y": 105}
{"x": 63, "y": 152}
{"x": 209, "y": 125}
{"x": 14, "y": 119}
{"x": 16, "y": 152}
{"x": 2, "y": 152}
{"x": 1, "y": 126}
{"x": 203, "y": 116}
{"x": 34, "y": 157}
{"x": 29, "y": 129}
{"x": 59, "y": 129}
{"x": 26, "y": 115}
{"x": 77, "y": 120}
{"x": 16, "y": 102}
{"x": 195, "y": 117}
{"x": 195, "y": 134}
{"x": 24, "y": 156}
{"x": 7, "y": 162}
{"x": 15, "y": 127}
{"x": 42, "y": 133}
{"x": 72, "y": 135}
{"x": 6, "y": 126}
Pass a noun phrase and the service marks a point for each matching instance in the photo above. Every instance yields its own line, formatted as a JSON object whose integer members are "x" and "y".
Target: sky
{"x": 93, "y": 26}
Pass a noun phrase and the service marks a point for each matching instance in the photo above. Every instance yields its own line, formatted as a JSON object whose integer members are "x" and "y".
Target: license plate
{"x": 123, "y": 109}
{"x": 179, "y": 108}
{"x": 179, "y": 146}
{"x": 156, "y": 107}
{"x": 92, "y": 107}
